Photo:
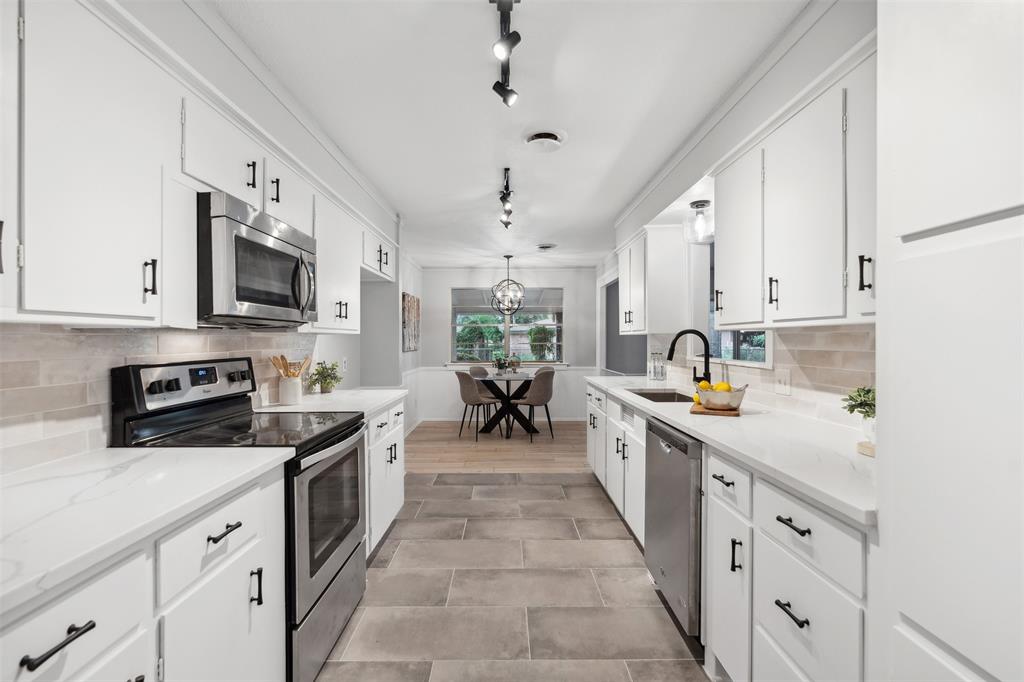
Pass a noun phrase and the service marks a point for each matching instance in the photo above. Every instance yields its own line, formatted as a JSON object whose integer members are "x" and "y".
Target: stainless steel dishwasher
{"x": 673, "y": 520}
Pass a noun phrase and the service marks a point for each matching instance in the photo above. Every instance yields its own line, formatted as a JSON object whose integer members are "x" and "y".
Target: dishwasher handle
{"x": 674, "y": 438}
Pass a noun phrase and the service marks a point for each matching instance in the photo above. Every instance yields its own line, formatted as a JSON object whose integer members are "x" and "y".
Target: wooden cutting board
{"x": 700, "y": 409}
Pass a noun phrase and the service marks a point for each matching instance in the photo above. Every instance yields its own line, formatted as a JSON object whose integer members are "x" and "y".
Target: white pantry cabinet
{"x": 92, "y": 174}
{"x": 738, "y": 242}
{"x": 379, "y": 256}
{"x": 385, "y": 463}
{"x": 728, "y": 546}
{"x": 803, "y": 214}
{"x": 217, "y": 153}
{"x": 337, "y": 268}
{"x": 287, "y": 196}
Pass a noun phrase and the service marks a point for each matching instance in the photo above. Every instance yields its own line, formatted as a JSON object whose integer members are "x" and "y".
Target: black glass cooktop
{"x": 301, "y": 430}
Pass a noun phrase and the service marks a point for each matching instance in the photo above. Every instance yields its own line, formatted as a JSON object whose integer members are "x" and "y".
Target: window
{"x": 751, "y": 346}
{"x": 533, "y": 333}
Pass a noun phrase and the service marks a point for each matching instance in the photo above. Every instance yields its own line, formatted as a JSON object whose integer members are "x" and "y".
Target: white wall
{"x": 410, "y": 277}
{"x": 819, "y": 37}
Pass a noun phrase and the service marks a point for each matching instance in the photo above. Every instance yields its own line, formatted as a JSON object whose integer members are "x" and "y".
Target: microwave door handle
{"x": 311, "y": 285}
{"x": 296, "y": 286}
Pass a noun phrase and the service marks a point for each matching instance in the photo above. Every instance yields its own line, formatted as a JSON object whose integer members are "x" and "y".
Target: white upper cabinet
{"x": 379, "y": 256}
{"x": 337, "y": 267}
{"x": 624, "y": 284}
{"x": 287, "y": 196}
{"x": 738, "y": 242}
{"x": 220, "y": 155}
{"x": 803, "y": 214}
{"x": 861, "y": 201}
{"x": 638, "y": 285}
{"x": 960, "y": 149}
{"x": 99, "y": 122}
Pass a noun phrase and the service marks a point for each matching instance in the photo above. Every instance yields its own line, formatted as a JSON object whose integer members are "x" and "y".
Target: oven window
{"x": 263, "y": 275}
{"x": 333, "y": 509}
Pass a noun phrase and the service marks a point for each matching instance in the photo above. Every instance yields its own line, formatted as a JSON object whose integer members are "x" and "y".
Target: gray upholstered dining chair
{"x": 479, "y": 372}
{"x": 540, "y": 393}
{"x": 470, "y": 392}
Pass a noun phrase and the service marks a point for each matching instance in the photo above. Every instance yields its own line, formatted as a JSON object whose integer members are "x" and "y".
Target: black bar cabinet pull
{"x": 618, "y": 448}
{"x": 385, "y": 258}
{"x": 772, "y": 296}
{"x": 151, "y": 263}
{"x": 1, "y": 247}
{"x": 399, "y": 413}
{"x": 718, "y": 300}
{"x": 259, "y": 586}
{"x": 276, "y": 182}
{"x": 785, "y": 606}
{"x": 721, "y": 479}
{"x": 338, "y": 314}
{"x": 252, "y": 177}
{"x": 344, "y": 314}
{"x": 74, "y": 632}
{"x": 228, "y": 530}
{"x": 624, "y": 455}
{"x": 381, "y": 425}
{"x": 788, "y": 522}
{"x": 733, "y": 566}
{"x": 861, "y": 286}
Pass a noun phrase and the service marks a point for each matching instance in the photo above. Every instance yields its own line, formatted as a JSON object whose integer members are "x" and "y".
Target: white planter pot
{"x": 868, "y": 425}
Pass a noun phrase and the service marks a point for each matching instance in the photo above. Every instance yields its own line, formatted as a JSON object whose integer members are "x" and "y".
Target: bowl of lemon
{"x": 719, "y": 396}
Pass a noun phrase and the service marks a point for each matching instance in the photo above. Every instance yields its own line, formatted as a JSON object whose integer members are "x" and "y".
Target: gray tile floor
{"x": 509, "y": 577}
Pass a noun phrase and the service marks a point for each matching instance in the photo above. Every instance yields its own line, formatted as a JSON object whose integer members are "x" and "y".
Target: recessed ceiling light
{"x": 545, "y": 140}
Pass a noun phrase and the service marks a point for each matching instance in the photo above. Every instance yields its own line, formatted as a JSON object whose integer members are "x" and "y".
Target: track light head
{"x": 505, "y": 219}
{"x": 503, "y": 48}
{"x": 506, "y": 200}
{"x": 507, "y": 94}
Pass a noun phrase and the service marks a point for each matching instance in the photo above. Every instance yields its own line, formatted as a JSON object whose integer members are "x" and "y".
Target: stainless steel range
{"x": 208, "y": 404}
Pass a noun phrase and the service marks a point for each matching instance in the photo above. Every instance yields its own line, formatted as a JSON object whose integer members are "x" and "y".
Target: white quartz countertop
{"x": 815, "y": 458}
{"x": 367, "y": 400}
{"x": 60, "y": 518}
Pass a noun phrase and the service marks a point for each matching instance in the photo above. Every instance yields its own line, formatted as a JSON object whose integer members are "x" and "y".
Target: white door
{"x": 729, "y": 588}
{"x": 373, "y": 251}
{"x": 221, "y": 631}
{"x": 738, "y": 242}
{"x": 861, "y": 181}
{"x": 635, "y": 484}
{"x": 129, "y": 662}
{"x": 804, "y": 238}
{"x": 337, "y": 267}
{"x": 219, "y": 154}
{"x": 100, "y": 120}
{"x": 591, "y": 435}
{"x": 389, "y": 260}
{"x": 287, "y": 196}
{"x": 615, "y": 472}
{"x": 638, "y": 285}
{"x": 396, "y": 476}
{"x": 624, "y": 285}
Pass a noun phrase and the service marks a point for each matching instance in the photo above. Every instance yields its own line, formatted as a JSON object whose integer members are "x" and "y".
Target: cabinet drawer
{"x": 613, "y": 408}
{"x": 770, "y": 664}
{"x": 397, "y": 416}
{"x": 379, "y": 426}
{"x": 128, "y": 662}
{"x": 829, "y": 645}
{"x": 116, "y": 602}
{"x": 830, "y": 545}
{"x": 730, "y": 484}
{"x": 595, "y": 397}
{"x": 189, "y": 552}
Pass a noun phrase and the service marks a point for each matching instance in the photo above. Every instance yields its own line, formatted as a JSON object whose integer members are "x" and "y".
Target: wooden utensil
{"x": 277, "y": 365}
{"x": 304, "y": 367}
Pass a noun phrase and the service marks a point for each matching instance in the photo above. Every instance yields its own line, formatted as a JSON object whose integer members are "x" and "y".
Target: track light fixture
{"x": 507, "y": 41}
{"x": 505, "y": 197}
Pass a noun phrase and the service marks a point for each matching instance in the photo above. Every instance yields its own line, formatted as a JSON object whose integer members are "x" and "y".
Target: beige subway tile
{"x": 99, "y": 438}
{"x": 795, "y": 339}
{"x": 16, "y": 401}
{"x": 42, "y": 451}
{"x": 75, "y": 420}
{"x": 17, "y": 328}
{"x": 77, "y": 370}
{"x": 228, "y": 342}
{"x": 863, "y": 341}
{"x": 858, "y": 360}
{"x": 170, "y": 343}
{"x": 19, "y": 374}
{"x": 842, "y": 378}
{"x": 98, "y": 392}
{"x": 818, "y": 358}
{"x": 21, "y": 429}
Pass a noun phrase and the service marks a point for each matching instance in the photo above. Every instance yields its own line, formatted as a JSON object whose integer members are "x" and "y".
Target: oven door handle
{"x": 307, "y": 462}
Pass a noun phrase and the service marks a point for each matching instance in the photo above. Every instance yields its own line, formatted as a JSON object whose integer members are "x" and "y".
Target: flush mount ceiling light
{"x": 544, "y": 141}
{"x": 507, "y": 41}
{"x": 508, "y": 295}
{"x": 505, "y": 197}
{"x": 700, "y": 230}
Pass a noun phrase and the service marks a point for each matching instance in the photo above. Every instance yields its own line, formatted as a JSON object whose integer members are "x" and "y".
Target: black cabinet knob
{"x": 172, "y": 385}
{"x": 155, "y": 388}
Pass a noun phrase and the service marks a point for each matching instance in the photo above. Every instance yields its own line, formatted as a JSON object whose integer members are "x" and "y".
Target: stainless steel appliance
{"x": 207, "y": 404}
{"x": 672, "y": 529}
{"x": 253, "y": 270}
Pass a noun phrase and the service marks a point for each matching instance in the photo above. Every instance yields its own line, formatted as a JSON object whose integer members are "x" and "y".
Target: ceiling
{"x": 404, "y": 89}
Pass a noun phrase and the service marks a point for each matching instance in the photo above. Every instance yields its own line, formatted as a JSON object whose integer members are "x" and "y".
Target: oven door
{"x": 259, "y": 277}
{"x": 330, "y": 517}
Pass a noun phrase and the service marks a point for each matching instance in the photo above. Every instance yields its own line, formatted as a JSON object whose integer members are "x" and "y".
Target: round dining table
{"x": 508, "y": 409}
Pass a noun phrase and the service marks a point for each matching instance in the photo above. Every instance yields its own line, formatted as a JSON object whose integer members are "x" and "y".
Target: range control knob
{"x": 155, "y": 388}
{"x": 241, "y": 375}
{"x": 172, "y": 385}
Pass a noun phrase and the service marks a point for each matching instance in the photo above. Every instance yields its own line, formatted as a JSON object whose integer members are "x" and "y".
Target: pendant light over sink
{"x": 701, "y": 228}
{"x": 508, "y": 295}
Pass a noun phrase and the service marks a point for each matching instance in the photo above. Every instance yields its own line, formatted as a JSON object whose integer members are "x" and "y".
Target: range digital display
{"x": 202, "y": 376}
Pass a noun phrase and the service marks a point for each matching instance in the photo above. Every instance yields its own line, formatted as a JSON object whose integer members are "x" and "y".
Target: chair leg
{"x": 550, "y": 427}
{"x": 463, "y": 422}
{"x": 531, "y": 423}
{"x": 478, "y": 423}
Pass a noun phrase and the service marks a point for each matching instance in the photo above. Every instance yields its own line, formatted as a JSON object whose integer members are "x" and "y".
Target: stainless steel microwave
{"x": 254, "y": 271}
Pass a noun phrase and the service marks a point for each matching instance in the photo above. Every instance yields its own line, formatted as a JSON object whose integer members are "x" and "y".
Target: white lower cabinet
{"x": 729, "y": 544}
{"x": 596, "y": 443}
{"x": 770, "y": 664}
{"x": 617, "y": 452}
{"x": 634, "y": 483}
{"x": 231, "y": 627}
{"x": 385, "y": 464}
{"x": 131, "y": 662}
{"x": 615, "y": 474}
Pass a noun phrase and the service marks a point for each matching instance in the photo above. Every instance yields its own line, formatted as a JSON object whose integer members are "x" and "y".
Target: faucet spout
{"x": 707, "y": 353}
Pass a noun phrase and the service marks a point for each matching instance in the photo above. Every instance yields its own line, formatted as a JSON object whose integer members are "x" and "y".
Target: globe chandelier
{"x": 508, "y": 295}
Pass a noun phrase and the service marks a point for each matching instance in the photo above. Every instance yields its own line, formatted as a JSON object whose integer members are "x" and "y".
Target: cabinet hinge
{"x": 21, "y": 28}
{"x": 844, "y": 123}
{"x": 21, "y": 255}
{"x": 846, "y": 278}
{"x": 160, "y": 669}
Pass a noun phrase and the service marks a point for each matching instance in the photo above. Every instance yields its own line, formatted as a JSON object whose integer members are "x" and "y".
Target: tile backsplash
{"x": 825, "y": 363}
{"x": 55, "y": 382}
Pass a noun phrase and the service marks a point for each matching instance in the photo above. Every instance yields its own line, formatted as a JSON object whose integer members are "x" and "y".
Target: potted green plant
{"x": 325, "y": 375}
{"x": 862, "y": 401}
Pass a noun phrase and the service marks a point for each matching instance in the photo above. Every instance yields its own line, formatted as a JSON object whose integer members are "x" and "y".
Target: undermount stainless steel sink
{"x": 662, "y": 395}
